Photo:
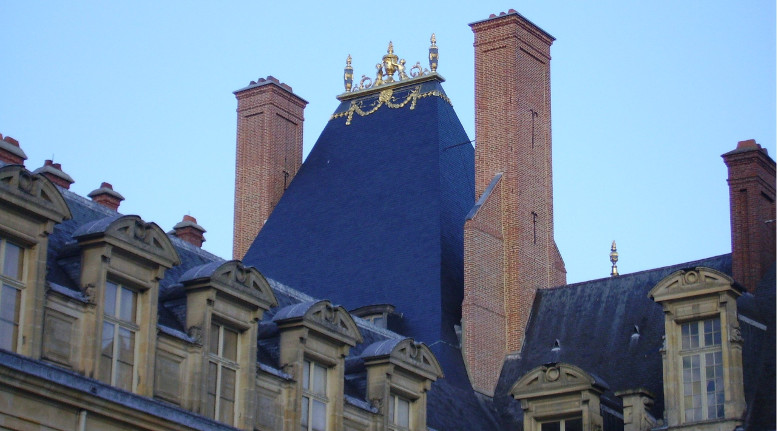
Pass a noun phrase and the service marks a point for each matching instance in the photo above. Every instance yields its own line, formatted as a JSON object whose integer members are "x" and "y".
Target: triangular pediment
{"x": 690, "y": 282}
{"x": 417, "y": 357}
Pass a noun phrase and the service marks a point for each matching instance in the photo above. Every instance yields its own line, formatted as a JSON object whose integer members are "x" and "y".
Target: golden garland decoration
{"x": 386, "y": 98}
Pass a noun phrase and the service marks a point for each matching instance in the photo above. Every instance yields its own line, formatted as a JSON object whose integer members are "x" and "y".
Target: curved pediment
{"x": 232, "y": 275}
{"x": 555, "y": 379}
{"x": 132, "y": 230}
{"x": 331, "y": 320}
{"x": 690, "y": 282}
{"x": 33, "y": 192}
{"x": 246, "y": 279}
{"x": 413, "y": 356}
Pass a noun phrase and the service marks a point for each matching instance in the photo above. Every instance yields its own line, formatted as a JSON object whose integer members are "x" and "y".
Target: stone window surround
{"x": 697, "y": 294}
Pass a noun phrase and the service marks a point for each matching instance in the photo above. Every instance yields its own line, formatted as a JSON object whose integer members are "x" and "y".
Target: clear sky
{"x": 646, "y": 96}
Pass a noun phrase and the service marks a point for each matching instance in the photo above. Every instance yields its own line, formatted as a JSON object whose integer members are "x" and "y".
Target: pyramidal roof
{"x": 375, "y": 213}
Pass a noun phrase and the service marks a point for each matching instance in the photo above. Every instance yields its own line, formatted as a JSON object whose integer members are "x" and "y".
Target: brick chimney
{"x": 10, "y": 152}
{"x": 54, "y": 172}
{"x": 189, "y": 231}
{"x": 509, "y": 235}
{"x": 752, "y": 211}
{"x": 106, "y": 196}
{"x": 269, "y": 154}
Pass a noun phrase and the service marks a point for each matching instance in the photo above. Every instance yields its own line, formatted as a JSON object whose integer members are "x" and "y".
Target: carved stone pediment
{"x": 690, "y": 282}
{"x": 414, "y": 357}
{"x": 33, "y": 192}
{"x": 323, "y": 317}
{"x": 555, "y": 379}
{"x": 147, "y": 239}
{"x": 245, "y": 279}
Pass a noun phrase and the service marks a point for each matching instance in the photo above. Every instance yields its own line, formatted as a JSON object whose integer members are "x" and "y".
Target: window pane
{"x": 124, "y": 375}
{"x": 107, "y": 345}
{"x": 550, "y": 426}
{"x": 574, "y": 424}
{"x": 403, "y": 412}
{"x": 214, "y": 339}
{"x": 110, "y": 298}
{"x": 210, "y": 402}
{"x": 228, "y": 384}
{"x": 319, "y": 416}
{"x": 106, "y": 368}
{"x": 306, "y": 403}
{"x": 126, "y": 346}
{"x": 227, "y": 411}
{"x": 12, "y": 263}
{"x": 306, "y": 374}
{"x": 319, "y": 380}
{"x": 9, "y": 304}
{"x": 8, "y": 335}
{"x": 128, "y": 302}
{"x": 230, "y": 348}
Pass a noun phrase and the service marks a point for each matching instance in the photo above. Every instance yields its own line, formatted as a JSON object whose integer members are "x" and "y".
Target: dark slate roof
{"x": 612, "y": 329}
{"x": 375, "y": 215}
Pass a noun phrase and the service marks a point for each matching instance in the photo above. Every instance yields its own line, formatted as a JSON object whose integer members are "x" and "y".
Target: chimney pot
{"x": 106, "y": 196}
{"x": 188, "y": 230}
{"x": 53, "y": 171}
{"x": 10, "y": 151}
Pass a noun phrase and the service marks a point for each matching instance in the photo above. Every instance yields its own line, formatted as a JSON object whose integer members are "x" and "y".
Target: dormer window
{"x": 314, "y": 398}
{"x": 120, "y": 326}
{"x": 570, "y": 424}
{"x": 222, "y": 372}
{"x": 703, "y": 371}
{"x": 702, "y": 357}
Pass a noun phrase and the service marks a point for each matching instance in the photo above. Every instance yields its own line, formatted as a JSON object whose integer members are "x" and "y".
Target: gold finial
{"x": 614, "y": 258}
{"x": 390, "y": 50}
{"x": 348, "y": 74}
{"x": 433, "y": 54}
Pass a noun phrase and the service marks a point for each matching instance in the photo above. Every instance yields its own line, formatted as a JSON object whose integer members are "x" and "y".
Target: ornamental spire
{"x": 391, "y": 69}
{"x": 614, "y": 255}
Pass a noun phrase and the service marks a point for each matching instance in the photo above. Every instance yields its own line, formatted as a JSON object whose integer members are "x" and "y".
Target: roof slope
{"x": 375, "y": 213}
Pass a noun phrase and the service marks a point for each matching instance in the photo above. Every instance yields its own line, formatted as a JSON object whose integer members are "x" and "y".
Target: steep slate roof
{"x": 612, "y": 329}
{"x": 375, "y": 215}
{"x": 64, "y": 266}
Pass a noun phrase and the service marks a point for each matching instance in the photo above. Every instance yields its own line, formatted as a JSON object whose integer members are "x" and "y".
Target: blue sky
{"x": 646, "y": 96}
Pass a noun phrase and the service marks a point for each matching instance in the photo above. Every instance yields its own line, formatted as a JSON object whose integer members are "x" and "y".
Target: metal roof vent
{"x": 556, "y": 346}
{"x": 635, "y": 333}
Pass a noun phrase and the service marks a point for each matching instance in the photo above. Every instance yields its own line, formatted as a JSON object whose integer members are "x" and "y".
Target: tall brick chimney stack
{"x": 106, "y": 196}
{"x": 752, "y": 211}
{"x": 189, "y": 231}
{"x": 10, "y": 152}
{"x": 269, "y": 154}
{"x": 53, "y": 171}
{"x": 509, "y": 235}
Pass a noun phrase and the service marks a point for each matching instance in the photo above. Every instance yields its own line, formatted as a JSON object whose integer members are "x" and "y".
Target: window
{"x": 572, "y": 424}
{"x": 399, "y": 413}
{"x": 11, "y": 274}
{"x": 222, "y": 373}
{"x": 120, "y": 325}
{"x": 703, "y": 371}
{"x": 314, "y": 405}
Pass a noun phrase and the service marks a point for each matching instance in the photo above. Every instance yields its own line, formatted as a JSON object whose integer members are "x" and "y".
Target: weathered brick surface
{"x": 513, "y": 137}
{"x": 268, "y": 155}
{"x": 752, "y": 211}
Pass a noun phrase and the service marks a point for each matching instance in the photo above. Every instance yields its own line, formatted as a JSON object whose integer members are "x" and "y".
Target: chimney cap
{"x": 746, "y": 146}
{"x": 188, "y": 221}
{"x": 54, "y": 169}
{"x": 106, "y": 189}
{"x": 11, "y": 145}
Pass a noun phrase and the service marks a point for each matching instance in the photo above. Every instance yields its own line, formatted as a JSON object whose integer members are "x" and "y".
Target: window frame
{"x": 309, "y": 367}
{"x": 17, "y": 285}
{"x": 213, "y": 407}
{"x": 561, "y": 421}
{"x": 118, "y": 324}
{"x": 701, "y": 351}
{"x": 392, "y": 412}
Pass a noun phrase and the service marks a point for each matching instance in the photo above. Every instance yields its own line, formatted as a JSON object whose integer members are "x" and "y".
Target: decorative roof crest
{"x": 390, "y": 65}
